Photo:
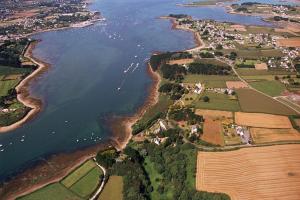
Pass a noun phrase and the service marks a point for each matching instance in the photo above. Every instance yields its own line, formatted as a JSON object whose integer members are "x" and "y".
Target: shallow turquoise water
{"x": 87, "y": 67}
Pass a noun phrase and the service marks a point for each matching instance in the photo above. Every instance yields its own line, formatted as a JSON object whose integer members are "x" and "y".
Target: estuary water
{"x": 95, "y": 72}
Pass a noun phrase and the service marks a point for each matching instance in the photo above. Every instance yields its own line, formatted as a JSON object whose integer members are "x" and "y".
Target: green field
{"x": 78, "y": 173}
{"x": 254, "y": 72}
{"x": 272, "y": 88}
{"x": 154, "y": 176}
{"x": 252, "y": 101}
{"x": 218, "y": 102}
{"x": 87, "y": 184}
{"x": 163, "y": 104}
{"x": 255, "y": 53}
{"x": 55, "y": 191}
{"x": 79, "y": 184}
{"x": 259, "y": 77}
{"x": 113, "y": 189}
{"x": 212, "y": 81}
{"x": 211, "y": 61}
{"x": 4, "y": 70}
{"x": 5, "y": 86}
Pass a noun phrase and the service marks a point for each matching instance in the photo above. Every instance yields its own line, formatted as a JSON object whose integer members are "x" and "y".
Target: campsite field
{"x": 262, "y": 120}
{"x": 113, "y": 189}
{"x": 252, "y": 101}
{"x": 212, "y": 132}
{"x": 251, "y": 173}
{"x": 265, "y": 135}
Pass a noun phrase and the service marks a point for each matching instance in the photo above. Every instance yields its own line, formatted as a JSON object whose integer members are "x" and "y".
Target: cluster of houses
{"x": 7, "y": 110}
{"x": 51, "y": 15}
{"x": 222, "y": 90}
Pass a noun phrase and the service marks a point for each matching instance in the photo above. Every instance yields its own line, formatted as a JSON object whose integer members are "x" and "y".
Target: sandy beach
{"x": 48, "y": 171}
{"x": 121, "y": 126}
{"x": 54, "y": 168}
{"x": 198, "y": 41}
{"x": 23, "y": 94}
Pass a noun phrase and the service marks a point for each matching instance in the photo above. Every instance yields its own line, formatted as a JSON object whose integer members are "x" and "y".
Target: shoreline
{"x": 121, "y": 135}
{"x": 48, "y": 170}
{"x": 23, "y": 93}
{"x": 22, "y": 89}
{"x": 197, "y": 38}
{"x": 124, "y": 124}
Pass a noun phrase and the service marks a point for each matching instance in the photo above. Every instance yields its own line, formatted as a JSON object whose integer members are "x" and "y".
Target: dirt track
{"x": 271, "y": 172}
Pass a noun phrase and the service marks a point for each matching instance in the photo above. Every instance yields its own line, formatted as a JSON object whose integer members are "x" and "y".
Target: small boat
{"x": 2, "y": 150}
{"x": 119, "y": 88}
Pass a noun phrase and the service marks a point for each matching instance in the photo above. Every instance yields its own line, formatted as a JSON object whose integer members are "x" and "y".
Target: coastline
{"x": 124, "y": 124}
{"x": 197, "y": 38}
{"x": 48, "y": 171}
{"x": 22, "y": 89}
{"x": 121, "y": 135}
{"x": 23, "y": 93}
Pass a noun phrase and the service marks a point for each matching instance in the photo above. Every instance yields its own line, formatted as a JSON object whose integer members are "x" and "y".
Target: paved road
{"x": 102, "y": 184}
{"x": 244, "y": 81}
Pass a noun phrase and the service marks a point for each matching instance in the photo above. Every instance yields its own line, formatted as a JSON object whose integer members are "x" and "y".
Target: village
{"x": 241, "y": 59}
{"x": 19, "y": 19}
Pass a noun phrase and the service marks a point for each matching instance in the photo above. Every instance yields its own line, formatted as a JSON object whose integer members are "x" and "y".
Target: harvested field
{"x": 261, "y": 66}
{"x": 262, "y": 120}
{"x": 252, "y": 101}
{"x": 236, "y": 84}
{"x": 181, "y": 61}
{"x": 214, "y": 113}
{"x": 212, "y": 132}
{"x": 265, "y": 135}
{"x": 113, "y": 189}
{"x": 262, "y": 173}
{"x": 289, "y": 42}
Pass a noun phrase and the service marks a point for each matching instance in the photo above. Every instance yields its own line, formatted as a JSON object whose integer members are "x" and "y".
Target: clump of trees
{"x": 136, "y": 181}
{"x": 206, "y": 55}
{"x": 208, "y": 69}
{"x": 107, "y": 158}
{"x": 185, "y": 114}
{"x": 173, "y": 72}
{"x": 10, "y": 52}
{"x": 174, "y": 90}
{"x": 157, "y": 60}
{"x": 178, "y": 15}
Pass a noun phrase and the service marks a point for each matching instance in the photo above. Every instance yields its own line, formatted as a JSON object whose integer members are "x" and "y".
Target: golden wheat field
{"x": 265, "y": 135}
{"x": 262, "y": 120}
{"x": 262, "y": 173}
